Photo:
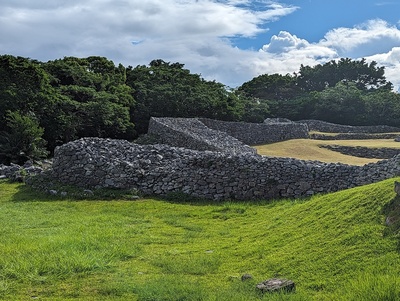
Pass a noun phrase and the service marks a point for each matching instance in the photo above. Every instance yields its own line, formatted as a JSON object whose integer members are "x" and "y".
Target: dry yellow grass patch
{"x": 307, "y": 149}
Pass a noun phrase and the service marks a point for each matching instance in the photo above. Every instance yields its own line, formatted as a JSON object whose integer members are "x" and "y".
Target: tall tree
{"x": 22, "y": 139}
{"x": 24, "y": 86}
{"x": 365, "y": 76}
{"x": 163, "y": 89}
{"x": 382, "y": 107}
{"x": 271, "y": 87}
{"x": 341, "y": 104}
{"x": 95, "y": 96}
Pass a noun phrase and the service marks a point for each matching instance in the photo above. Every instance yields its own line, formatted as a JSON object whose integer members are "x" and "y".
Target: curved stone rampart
{"x": 322, "y": 126}
{"x": 259, "y": 133}
{"x": 277, "y": 120}
{"x": 354, "y": 136}
{"x": 364, "y": 152}
{"x": 161, "y": 169}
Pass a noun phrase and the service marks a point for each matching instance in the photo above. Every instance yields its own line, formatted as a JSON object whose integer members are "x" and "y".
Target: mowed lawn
{"x": 309, "y": 149}
{"x": 334, "y": 246}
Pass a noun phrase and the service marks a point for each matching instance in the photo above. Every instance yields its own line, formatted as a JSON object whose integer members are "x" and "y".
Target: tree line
{"x": 46, "y": 104}
{"x": 346, "y": 91}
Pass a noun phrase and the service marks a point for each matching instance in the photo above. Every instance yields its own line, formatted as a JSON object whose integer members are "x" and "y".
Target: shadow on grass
{"x": 26, "y": 193}
{"x": 20, "y": 192}
{"x": 184, "y": 198}
{"x": 59, "y": 192}
{"x": 391, "y": 212}
{"x": 40, "y": 192}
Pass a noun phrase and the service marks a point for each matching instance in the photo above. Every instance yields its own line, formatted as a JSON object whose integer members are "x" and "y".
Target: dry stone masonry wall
{"x": 162, "y": 169}
{"x": 322, "y": 126}
{"x": 210, "y": 159}
{"x": 193, "y": 134}
{"x": 259, "y": 133}
{"x": 354, "y": 136}
{"x": 216, "y": 135}
{"x": 364, "y": 152}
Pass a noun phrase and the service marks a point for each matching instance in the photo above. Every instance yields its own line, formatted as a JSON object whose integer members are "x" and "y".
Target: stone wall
{"x": 322, "y": 126}
{"x": 17, "y": 173}
{"x": 259, "y": 133}
{"x": 160, "y": 169}
{"x": 193, "y": 134}
{"x": 364, "y": 152}
{"x": 354, "y": 136}
{"x": 277, "y": 120}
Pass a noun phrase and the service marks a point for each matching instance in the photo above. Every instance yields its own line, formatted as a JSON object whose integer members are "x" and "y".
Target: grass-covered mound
{"x": 334, "y": 246}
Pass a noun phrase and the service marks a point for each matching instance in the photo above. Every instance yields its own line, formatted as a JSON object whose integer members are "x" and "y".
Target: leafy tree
{"x": 61, "y": 122}
{"x": 333, "y": 91}
{"x": 104, "y": 117}
{"x": 163, "y": 89}
{"x": 95, "y": 99}
{"x": 23, "y": 140}
{"x": 297, "y": 108}
{"x": 365, "y": 76}
{"x": 382, "y": 107}
{"x": 281, "y": 94}
{"x": 255, "y": 111}
{"x": 24, "y": 86}
{"x": 341, "y": 104}
{"x": 271, "y": 87}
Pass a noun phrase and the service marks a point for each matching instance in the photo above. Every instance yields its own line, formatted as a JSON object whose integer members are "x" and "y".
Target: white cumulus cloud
{"x": 375, "y": 40}
{"x": 197, "y": 33}
{"x": 391, "y": 62}
{"x": 284, "y": 42}
{"x": 374, "y": 36}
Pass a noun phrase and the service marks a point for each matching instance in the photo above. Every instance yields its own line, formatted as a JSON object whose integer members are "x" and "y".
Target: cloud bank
{"x": 199, "y": 34}
{"x": 375, "y": 40}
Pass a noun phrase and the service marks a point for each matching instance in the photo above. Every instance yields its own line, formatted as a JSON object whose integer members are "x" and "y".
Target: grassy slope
{"x": 308, "y": 149}
{"x": 332, "y": 246}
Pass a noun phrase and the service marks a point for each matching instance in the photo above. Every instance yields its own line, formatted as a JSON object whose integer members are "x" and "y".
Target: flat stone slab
{"x": 276, "y": 285}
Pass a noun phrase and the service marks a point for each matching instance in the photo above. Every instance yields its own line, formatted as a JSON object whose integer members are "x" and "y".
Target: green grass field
{"x": 308, "y": 149}
{"x": 334, "y": 246}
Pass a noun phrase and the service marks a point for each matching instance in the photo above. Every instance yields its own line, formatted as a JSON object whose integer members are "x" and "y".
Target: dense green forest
{"x": 45, "y": 104}
{"x": 344, "y": 92}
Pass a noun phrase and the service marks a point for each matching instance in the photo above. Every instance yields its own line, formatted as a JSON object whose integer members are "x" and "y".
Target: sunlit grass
{"x": 333, "y": 246}
{"x": 308, "y": 149}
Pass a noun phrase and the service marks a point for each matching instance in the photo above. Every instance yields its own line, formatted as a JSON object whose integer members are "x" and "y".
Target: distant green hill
{"x": 334, "y": 246}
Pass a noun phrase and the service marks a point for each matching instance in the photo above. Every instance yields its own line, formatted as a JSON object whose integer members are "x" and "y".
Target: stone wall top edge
{"x": 113, "y": 144}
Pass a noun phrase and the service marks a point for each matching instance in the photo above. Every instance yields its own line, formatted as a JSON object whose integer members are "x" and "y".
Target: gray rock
{"x": 277, "y": 120}
{"x": 397, "y": 187}
{"x": 88, "y": 192}
{"x": 276, "y": 285}
{"x": 246, "y": 277}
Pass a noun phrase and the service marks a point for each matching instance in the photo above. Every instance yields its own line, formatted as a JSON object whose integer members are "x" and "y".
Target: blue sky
{"x": 314, "y": 18}
{"x": 230, "y": 41}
